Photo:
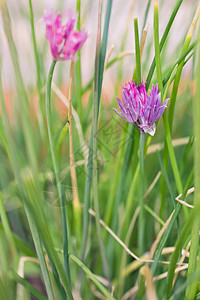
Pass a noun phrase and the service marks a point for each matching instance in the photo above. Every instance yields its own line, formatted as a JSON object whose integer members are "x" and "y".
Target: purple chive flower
{"x": 63, "y": 39}
{"x": 139, "y": 108}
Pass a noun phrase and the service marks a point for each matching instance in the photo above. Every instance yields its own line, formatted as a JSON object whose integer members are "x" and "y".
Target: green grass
{"x": 114, "y": 167}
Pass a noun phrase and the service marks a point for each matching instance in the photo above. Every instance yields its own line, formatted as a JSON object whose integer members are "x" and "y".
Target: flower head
{"x": 63, "y": 39}
{"x": 139, "y": 108}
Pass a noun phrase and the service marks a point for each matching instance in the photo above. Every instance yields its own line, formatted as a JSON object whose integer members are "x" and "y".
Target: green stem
{"x": 94, "y": 122}
{"x": 115, "y": 183}
{"x": 92, "y": 277}
{"x": 6, "y": 227}
{"x": 141, "y": 226}
{"x": 173, "y": 101}
{"x": 163, "y": 39}
{"x": 56, "y": 171}
{"x": 40, "y": 254}
{"x": 37, "y": 63}
{"x": 78, "y": 64}
{"x": 88, "y": 180}
{"x": 160, "y": 84}
{"x": 192, "y": 289}
{"x": 137, "y": 52}
{"x": 27, "y": 285}
{"x": 157, "y": 47}
{"x": 23, "y": 98}
{"x": 12, "y": 154}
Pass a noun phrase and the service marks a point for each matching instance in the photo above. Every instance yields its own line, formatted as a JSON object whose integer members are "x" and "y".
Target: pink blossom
{"x": 64, "y": 41}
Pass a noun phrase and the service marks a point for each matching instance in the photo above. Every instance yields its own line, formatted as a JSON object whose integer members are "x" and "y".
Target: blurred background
{"x": 122, "y": 16}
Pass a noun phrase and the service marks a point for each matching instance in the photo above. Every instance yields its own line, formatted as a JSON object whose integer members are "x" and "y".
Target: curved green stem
{"x": 55, "y": 167}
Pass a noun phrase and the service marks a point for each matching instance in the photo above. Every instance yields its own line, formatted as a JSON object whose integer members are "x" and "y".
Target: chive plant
{"x": 102, "y": 203}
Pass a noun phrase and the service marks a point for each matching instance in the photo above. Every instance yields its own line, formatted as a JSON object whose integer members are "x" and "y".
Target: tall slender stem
{"x": 192, "y": 289}
{"x": 94, "y": 140}
{"x": 76, "y": 203}
{"x": 41, "y": 111}
{"x": 141, "y": 215}
{"x": 55, "y": 167}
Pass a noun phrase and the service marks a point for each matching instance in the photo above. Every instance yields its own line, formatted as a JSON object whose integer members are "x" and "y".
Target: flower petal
{"x": 121, "y": 116}
{"x": 149, "y": 128}
{"x": 160, "y": 110}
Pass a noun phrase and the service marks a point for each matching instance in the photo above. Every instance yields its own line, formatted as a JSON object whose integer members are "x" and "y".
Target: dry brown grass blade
{"x": 140, "y": 259}
{"x": 184, "y": 255}
{"x": 144, "y": 35}
{"x": 190, "y": 191}
{"x": 150, "y": 288}
{"x": 64, "y": 99}
{"x": 108, "y": 56}
{"x": 164, "y": 275}
{"x": 153, "y": 247}
{"x": 150, "y": 188}
{"x": 19, "y": 288}
{"x": 133, "y": 290}
{"x": 177, "y": 142}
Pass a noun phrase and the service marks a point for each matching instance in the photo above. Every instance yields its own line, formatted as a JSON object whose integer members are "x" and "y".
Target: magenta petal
{"x": 121, "y": 116}
{"x": 121, "y": 106}
{"x": 160, "y": 110}
{"x": 143, "y": 93}
{"x": 63, "y": 40}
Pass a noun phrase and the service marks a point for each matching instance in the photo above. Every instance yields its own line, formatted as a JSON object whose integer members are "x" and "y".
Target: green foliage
{"x": 127, "y": 186}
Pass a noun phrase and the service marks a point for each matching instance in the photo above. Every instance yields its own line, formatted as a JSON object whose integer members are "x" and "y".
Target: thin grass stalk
{"x": 113, "y": 189}
{"x": 76, "y": 203}
{"x": 12, "y": 154}
{"x": 122, "y": 52}
{"x": 173, "y": 100}
{"x": 157, "y": 47}
{"x": 180, "y": 59}
{"x": 23, "y": 98}
{"x": 109, "y": 210}
{"x": 88, "y": 179}
{"x": 121, "y": 185}
{"x": 7, "y": 229}
{"x": 163, "y": 39}
{"x": 179, "y": 70}
{"x": 120, "y": 192}
{"x": 27, "y": 285}
{"x": 134, "y": 183}
{"x": 183, "y": 286}
{"x": 3, "y": 289}
{"x": 94, "y": 122}
{"x": 181, "y": 240}
{"x": 92, "y": 277}
{"x": 137, "y": 52}
{"x": 177, "y": 208}
{"x": 40, "y": 254}
{"x": 137, "y": 78}
{"x": 55, "y": 166}
{"x": 38, "y": 225}
{"x": 78, "y": 65}
{"x": 30, "y": 203}
{"x": 192, "y": 289}
{"x": 166, "y": 234}
{"x": 38, "y": 81}
{"x": 146, "y": 14}
{"x": 141, "y": 284}
{"x": 142, "y": 139}
{"x": 141, "y": 224}
{"x": 166, "y": 124}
